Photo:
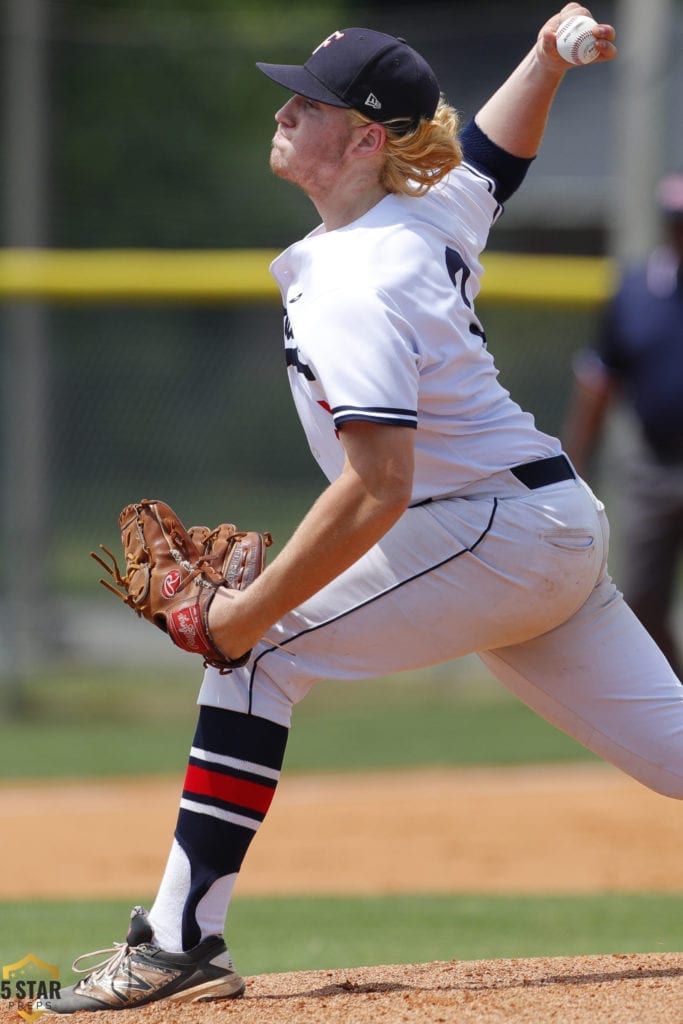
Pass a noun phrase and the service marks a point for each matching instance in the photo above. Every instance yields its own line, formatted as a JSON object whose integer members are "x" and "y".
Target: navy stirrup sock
{"x": 233, "y": 770}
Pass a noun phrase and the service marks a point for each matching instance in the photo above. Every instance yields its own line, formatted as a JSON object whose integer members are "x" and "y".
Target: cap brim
{"x": 299, "y": 80}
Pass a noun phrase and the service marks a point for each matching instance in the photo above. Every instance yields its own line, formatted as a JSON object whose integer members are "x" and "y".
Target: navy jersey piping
{"x": 375, "y": 414}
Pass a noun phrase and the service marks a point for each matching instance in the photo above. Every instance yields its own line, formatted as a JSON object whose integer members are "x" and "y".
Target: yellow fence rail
{"x": 76, "y": 276}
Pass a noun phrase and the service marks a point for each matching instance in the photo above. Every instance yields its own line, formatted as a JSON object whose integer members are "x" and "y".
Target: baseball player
{"x": 450, "y": 524}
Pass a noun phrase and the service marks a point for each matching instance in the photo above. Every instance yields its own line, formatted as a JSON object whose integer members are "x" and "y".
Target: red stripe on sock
{"x": 251, "y": 795}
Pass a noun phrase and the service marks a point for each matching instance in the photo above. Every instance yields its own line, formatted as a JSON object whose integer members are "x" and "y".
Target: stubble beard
{"x": 279, "y": 165}
{"x": 313, "y": 180}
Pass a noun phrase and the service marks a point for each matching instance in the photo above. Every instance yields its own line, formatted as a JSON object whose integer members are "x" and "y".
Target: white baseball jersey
{"x": 380, "y": 326}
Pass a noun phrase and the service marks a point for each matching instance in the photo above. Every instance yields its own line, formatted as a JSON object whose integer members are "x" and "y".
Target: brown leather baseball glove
{"x": 173, "y": 574}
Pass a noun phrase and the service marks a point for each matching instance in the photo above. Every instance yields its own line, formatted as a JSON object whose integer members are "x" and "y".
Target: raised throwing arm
{"x": 516, "y": 115}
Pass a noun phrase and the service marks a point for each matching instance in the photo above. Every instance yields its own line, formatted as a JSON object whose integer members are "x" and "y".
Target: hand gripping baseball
{"x": 173, "y": 574}
{"x": 555, "y": 44}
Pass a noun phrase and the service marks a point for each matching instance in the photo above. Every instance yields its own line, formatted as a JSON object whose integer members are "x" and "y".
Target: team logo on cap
{"x": 373, "y": 102}
{"x": 330, "y": 39}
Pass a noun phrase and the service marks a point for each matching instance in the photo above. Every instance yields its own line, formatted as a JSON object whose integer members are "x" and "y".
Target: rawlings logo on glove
{"x": 173, "y": 574}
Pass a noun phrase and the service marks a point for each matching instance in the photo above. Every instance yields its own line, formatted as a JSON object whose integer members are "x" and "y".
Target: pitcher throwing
{"x": 450, "y": 525}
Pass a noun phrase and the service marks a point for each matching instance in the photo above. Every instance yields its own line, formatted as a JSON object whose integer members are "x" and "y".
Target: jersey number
{"x": 457, "y": 268}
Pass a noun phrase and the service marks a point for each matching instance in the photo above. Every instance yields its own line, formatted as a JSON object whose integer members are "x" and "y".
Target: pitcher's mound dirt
{"x": 620, "y": 989}
{"x": 576, "y": 829}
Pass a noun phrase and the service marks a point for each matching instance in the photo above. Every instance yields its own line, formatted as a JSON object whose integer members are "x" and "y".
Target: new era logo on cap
{"x": 373, "y": 72}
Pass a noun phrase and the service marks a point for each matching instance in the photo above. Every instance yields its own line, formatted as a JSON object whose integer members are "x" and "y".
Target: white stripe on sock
{"x": 235, "y": 762}
{"x": 218, "y": 812}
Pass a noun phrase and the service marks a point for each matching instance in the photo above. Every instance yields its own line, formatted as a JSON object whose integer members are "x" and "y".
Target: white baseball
{"x": 575, "y": 40}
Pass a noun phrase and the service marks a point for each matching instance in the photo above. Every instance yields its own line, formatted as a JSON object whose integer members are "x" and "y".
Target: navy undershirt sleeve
{"x": 507, "y": 170}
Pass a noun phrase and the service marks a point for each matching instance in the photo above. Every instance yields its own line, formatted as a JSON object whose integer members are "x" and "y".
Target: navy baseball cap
{"x": 375, "y": 73}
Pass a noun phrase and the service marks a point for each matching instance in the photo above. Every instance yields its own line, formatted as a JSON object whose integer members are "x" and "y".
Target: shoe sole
{"x": 209, "y": 991}
{"x": 220, "y": 988}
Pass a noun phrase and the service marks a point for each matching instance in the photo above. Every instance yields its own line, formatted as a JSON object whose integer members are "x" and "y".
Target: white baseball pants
{"x": 517, "y": 576}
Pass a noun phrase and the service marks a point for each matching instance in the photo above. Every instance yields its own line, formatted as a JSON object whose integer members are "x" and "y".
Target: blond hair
{"x": 419, "y": 158}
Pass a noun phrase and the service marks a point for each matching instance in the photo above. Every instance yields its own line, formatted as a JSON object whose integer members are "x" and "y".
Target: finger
{"x": 607, "y": 49}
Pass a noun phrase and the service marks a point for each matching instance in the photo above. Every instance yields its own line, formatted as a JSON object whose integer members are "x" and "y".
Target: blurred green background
{"x": 147, "y": 125}
{"x": 158, "y": 126}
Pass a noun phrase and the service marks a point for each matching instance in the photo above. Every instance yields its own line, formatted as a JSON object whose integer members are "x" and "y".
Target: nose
{"x": 285, "y": 115}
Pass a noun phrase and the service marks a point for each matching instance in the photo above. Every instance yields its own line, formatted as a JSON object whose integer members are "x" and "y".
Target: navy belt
{"x": 544, "y": 472}
{"x": 533, "y": 475}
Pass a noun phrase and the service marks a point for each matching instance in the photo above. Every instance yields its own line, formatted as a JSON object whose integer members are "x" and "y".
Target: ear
{"x": 371, "y": 140}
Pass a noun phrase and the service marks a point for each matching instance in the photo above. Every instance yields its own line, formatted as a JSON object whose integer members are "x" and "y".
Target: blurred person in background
{"x": 637, "y": 363}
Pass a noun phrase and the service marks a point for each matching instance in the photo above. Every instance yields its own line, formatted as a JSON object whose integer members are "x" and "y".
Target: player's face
{"x": 310, "y": 144}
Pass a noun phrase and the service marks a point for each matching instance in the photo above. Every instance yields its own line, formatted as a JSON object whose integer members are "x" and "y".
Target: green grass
{"x": 267, "y": 935}
{"x": 82, "y": 724}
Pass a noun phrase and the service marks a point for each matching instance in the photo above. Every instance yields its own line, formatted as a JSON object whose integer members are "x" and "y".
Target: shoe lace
{"x": 113, "y": 958}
